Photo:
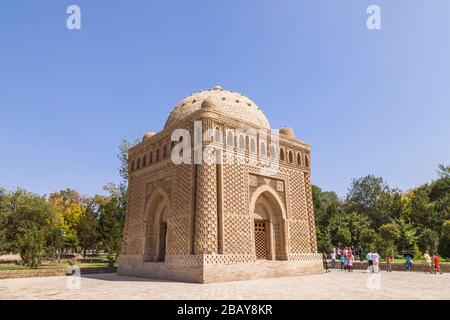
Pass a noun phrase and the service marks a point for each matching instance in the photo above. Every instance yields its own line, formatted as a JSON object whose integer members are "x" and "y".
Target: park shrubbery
{"x": 374, "y": 216}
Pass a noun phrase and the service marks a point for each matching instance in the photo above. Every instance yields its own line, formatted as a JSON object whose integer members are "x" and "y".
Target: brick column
{"x": 206, "y": 210}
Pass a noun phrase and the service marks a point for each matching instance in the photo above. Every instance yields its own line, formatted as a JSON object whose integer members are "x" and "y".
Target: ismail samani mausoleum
{"x": 219, "y": 221}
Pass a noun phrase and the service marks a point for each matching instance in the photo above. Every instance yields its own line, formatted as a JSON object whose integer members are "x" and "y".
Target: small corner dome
{"x": 286, "y": 131}
{"x": 208, "y": 103}
{"x": 148, "y": 135}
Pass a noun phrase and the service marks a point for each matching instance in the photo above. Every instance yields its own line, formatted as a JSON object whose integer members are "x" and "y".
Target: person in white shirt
{"x": 375, "y": 259}
{"x": 333, "y": 258}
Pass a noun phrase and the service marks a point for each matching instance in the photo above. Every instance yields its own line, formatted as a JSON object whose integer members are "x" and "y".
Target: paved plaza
{"x": 334, "y": 285}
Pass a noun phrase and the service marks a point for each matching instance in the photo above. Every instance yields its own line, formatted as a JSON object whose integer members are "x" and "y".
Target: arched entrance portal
{"x": 156, "y": 226}
{"x": 269, "y": 225}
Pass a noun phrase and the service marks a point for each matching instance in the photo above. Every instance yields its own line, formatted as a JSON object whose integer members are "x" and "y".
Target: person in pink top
{"x": 350, "y": 259}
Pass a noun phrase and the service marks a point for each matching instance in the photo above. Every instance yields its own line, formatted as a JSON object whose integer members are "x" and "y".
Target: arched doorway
{"x": 156, "y": 231}
{"x": 269, "y": 225}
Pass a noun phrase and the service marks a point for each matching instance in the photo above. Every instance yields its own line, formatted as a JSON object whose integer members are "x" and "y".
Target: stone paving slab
{"x": 333, "y": 285}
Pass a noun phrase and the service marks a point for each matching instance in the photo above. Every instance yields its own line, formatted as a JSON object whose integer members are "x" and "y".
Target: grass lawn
{"x": 47, "y": 266}
{"x": 416, "y": 261}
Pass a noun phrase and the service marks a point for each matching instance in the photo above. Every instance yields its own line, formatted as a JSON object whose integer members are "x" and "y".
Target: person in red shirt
{"x": 437, "y": 266}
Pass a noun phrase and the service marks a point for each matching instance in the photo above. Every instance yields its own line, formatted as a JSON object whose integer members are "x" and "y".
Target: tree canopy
{"x": 372, "y": 214}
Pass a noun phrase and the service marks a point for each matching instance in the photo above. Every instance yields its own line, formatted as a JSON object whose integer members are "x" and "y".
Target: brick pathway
{"x": 334, "y": 285}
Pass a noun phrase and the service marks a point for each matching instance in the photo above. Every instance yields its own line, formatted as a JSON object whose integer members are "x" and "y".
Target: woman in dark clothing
{"x": 325, "y": 262}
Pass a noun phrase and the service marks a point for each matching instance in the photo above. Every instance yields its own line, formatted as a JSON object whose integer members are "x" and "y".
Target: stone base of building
{"x": 219, "y": 268}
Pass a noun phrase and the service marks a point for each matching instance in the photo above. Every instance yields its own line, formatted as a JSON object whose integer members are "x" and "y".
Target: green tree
{"x": 421, "y": 210}
{"x": 30, "y": 243}
{"x": 326, "y": 205}
{"x": 3, "y": 215}
{"x": 87, "y": 228}
{"x": 372, "y": 197}
{"x": 69, "y": 206}
{"x": 444, "y": 243}
{"x": 444, "y": 171}
{"x": 389, "y": 232}
{"x": 408, "y": 237}
{"x": 439, "y": 189}
{"x": 55, "y": 243}
{"x": 323, "y": 241}
{"x": 388, "y": 235}
{"x": 343, "y": 237}
{"x": 368, "y": 237}
{"x": 428, "y": 240}
{"x": 328, "y": 214}
{"x": 358, "y": 225}
{"x": 28, "y": 220}
{"x": 111, "y": 221}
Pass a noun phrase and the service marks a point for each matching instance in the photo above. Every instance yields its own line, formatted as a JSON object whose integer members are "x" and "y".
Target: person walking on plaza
{"x": 343, "y": 258}
{"x": 350, "y": 259}
{"x": 333, "y": 259}
{"x": 375, "y": 260}
{"x": 389, "y": 263}
{"x": 408, "y": 261}
{"x": 369, "y": 261}
{"x": 325, "y": 262}
{"x": 428, "y": 266}
{"x": 437, "y": 265}
{"x": 361, "y": 254}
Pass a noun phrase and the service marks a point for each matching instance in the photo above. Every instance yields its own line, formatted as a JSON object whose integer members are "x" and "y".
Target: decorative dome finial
{"x": 218, "y": 88}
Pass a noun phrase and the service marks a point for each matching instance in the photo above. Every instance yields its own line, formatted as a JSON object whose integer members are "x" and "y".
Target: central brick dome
{"x": 230, "y": 103}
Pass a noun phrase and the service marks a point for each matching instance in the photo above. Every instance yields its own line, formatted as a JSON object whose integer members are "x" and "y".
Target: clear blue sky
{"x": 369, "y": 102}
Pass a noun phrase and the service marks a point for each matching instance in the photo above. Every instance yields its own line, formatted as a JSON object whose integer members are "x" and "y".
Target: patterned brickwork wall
{"x": 310, "y": 206}
{"x": 182, "y": 187}
{"x": 235, "y": 189}
{"x": 206, "y": 213}
{"x": 298, "y": 213}
{"x": 238, "y": 224}
{"x": 138, "y": 234}
{"x": 297, "y": 197}
{"x": 238, "y": 234}
{"x": 299, "y": 236}
{"x": 178, "y": 235}
{"x": 133, "y": 236}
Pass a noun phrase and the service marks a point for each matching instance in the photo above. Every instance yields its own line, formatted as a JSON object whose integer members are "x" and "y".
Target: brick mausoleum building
{"x": 212, "y": 222}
